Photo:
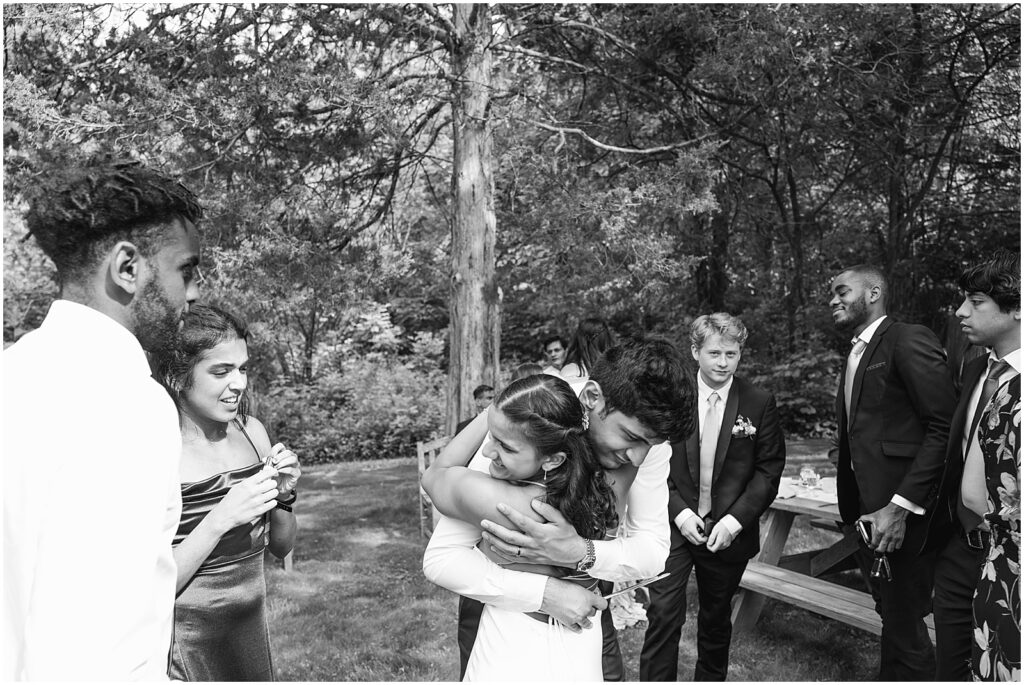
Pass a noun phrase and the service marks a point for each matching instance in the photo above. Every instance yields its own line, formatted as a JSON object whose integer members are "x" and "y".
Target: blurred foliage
{"x": 652, "y": 162}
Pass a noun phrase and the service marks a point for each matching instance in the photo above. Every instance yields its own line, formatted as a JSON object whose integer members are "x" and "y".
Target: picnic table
{"x": 798, "y": 578}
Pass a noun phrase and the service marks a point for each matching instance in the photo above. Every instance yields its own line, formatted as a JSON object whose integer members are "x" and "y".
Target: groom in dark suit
{"x": 893, "y": 405}
{"x": 721, "y": 480}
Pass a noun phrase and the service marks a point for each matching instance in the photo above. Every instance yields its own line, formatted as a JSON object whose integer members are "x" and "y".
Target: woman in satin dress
{"x": 237, "y": 497}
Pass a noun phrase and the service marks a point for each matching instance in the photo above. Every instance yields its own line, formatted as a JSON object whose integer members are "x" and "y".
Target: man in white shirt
{"x": 957, "y": 530}
{"x": 638, "y": 396}
{"x": 554, "y": 354}
{"x": 91, "y": 443}
{"x": 893, "y": 405}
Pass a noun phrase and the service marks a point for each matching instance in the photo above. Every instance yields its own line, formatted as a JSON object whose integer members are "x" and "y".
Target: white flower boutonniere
{"x": 743, "y": 428}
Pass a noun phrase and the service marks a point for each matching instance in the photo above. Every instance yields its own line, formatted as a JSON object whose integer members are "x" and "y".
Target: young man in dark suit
{"x": 893, "y": 405}
{"x": 990, "y": 317}
{"x": 721, "y": 480}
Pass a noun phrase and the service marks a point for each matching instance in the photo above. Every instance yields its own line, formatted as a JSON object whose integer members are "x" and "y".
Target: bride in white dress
{"x": 536, "y": 443}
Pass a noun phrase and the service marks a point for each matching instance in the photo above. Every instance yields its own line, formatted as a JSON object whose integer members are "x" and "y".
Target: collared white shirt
{"x": 853, "y": 360}
{"x": 703, "y": 395}
{"x": 91, "y": 499}
{"x": 453, "y": 562}
{"x": 970, "y": 440}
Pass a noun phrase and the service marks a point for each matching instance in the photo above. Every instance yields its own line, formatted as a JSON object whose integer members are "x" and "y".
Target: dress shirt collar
{"x": 704, "y": 391}
{"x": 1011, "y": 358}
{"x": 868, "y": 332}
{"x": 96, "y": 334}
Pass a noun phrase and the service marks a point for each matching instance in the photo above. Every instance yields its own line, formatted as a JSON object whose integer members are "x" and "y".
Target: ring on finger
{"x": 519, "y": 551}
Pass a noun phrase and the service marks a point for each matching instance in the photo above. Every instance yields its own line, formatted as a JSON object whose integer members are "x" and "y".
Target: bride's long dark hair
{"x": 549, "y": 414}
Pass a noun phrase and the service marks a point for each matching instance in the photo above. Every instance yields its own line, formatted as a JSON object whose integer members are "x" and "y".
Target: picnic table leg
{"x": 748, "y": 605}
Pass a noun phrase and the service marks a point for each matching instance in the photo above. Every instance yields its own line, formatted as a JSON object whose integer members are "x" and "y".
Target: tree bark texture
{"x": 474, "y": 308}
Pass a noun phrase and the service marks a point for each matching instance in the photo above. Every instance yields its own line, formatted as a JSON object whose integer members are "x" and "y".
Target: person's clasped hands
{"x": 256, "y": 495}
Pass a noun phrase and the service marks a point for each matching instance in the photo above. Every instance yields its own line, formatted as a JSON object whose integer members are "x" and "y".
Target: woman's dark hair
{"x": 591, "y": 339}
{"x": 550, "y": 416}
{"x": 205, "y": 327}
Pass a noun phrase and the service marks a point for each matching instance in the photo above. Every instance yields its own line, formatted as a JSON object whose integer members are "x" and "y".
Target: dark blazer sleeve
{"x": 675, "y": 502}
{"x": 925, "y": 375}
{"x": 769, "y": 460}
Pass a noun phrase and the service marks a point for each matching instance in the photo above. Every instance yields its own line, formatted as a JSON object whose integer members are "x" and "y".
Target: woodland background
{"x": 402, "y": 200}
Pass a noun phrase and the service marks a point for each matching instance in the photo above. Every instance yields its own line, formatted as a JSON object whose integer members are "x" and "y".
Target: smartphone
{"x": 864, "y": 528}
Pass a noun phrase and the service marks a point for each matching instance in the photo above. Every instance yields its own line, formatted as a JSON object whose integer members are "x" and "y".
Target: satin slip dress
{"x": 220, "y": 620}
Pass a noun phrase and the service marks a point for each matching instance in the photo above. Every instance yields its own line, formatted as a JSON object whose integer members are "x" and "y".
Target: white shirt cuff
{"x": 908, "y": 505}
{"x": 683, "y": 517}
{"x": 730, "y": 522}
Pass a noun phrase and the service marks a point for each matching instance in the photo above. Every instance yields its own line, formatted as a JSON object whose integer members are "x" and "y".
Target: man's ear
{"x": 553, "y": 461}
{"x": 124, "y": 262}
{"x": 592, "y": 396}
{"x": 876, "y": 293}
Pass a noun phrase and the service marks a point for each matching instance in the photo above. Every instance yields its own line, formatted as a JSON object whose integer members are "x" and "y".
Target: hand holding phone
{"x": 864, "y": 528}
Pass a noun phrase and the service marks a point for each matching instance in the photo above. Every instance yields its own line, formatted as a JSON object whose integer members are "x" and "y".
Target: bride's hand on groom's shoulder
{"x": 571, "y": 605}
{"x": 553, "y": 541}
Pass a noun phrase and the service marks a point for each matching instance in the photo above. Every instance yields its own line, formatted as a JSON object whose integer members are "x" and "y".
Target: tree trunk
{"x": 474, "y": 304}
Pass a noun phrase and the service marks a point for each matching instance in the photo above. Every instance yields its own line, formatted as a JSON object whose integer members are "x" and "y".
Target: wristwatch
{"x": 587, "y": 562}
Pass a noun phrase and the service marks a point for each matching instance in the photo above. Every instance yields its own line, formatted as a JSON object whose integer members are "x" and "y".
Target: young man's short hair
{"x": 649, "y": 380}
{"x": 551, "y": 339}
{"x": 79, "y": 213}
{"x": 726, "y": 325}
{"x": 998, "y": 277}
{"x": 479, "y": 391}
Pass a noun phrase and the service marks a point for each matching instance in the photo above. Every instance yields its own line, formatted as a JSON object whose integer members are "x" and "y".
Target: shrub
{"x": 370, "y": 408}
{"x": 804, "y": 385}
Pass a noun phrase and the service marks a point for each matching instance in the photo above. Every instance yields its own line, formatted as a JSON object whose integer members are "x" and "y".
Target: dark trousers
{"x": 903, "y": 603}
{"x": 717, "y": 582}
{"x": 957, "y": 568}
{"x": 611, "y": 656}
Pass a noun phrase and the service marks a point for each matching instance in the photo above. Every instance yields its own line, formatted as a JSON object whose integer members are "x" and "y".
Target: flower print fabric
{"x": 996, "y": 649}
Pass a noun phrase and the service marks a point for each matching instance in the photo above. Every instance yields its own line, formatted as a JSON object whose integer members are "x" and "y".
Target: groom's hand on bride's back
{"x": 571, "y": 605}
{"x": 553, "y": 541}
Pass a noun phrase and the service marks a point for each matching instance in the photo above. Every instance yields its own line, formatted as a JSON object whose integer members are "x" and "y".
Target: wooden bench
{"x": 426, "y": 452}
{"x": 819, "y": 596}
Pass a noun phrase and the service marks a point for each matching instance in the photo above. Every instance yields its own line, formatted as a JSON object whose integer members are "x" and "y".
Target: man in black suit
{"x": 721, "y": 480}
{"x": 990, "y": 317}
{"x": 483, "y": 395}
{"x": 894, "y": 405}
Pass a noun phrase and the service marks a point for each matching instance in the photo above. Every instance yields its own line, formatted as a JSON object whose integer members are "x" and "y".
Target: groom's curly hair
{"x": 550, "y": 416}
{"x": 998, "y": 277}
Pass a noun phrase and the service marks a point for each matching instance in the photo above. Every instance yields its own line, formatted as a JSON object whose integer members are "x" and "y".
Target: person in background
{"x": 237, "y": 497}
{"x": 483, "y": 395}
{"x": 894, "y": 404}
{"x": 554, "y": 354}
{"x": 91, "y": 495}
{"x": 592, "y": 338}
{"x": 721, "y": 480}
{"x": 527, "y": 369}
{"x": 976, "y": 521}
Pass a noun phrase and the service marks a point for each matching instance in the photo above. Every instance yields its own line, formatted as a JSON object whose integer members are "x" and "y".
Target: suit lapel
{"x": 725, "y": 434}
{"x": 865, "y": 359}
{"x": 972, "y": 374}
{"x": 692, "y": 454}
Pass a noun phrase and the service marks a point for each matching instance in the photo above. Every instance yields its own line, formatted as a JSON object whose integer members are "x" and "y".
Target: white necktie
{"x": 851, "y": 370}
{"x": 708, "y": 442}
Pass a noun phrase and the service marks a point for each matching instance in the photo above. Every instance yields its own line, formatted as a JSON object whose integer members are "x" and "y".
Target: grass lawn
{"x": 356, "y": 606}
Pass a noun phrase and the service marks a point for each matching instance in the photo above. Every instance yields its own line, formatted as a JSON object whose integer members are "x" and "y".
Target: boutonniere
{"x": 743, "y": 428}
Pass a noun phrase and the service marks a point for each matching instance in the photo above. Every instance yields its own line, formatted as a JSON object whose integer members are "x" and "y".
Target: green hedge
{"x": 364, "y": 410}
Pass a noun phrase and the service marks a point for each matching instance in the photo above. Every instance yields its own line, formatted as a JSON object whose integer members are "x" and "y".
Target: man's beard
{"x": 157, "y": 322}
{"x": 856, "y": 314}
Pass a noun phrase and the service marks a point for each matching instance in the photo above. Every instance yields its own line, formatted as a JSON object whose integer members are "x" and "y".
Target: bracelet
{"x": 284, "y": 507}
{"x": 292, "y": 496}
